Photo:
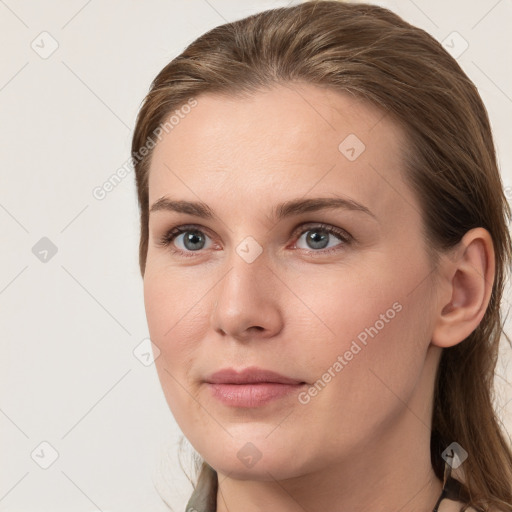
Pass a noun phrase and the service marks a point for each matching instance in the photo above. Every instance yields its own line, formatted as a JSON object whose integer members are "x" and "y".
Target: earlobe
{"x": 469, "y": 277}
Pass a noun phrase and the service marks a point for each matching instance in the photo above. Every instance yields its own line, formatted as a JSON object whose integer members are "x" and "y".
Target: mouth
{"x": 251, "y": 387}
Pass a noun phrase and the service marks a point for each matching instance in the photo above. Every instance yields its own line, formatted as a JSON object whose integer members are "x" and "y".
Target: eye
{"x": 192, "y": 241}
{"x": 318, "y": 238}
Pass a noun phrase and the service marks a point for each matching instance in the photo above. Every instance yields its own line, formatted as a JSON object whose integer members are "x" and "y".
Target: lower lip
{"x": 251, "y": 395}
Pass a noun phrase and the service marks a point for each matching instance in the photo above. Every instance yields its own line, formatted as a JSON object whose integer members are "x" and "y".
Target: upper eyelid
{"x": 300, "y": 229}
{"x": 345, "y": 238}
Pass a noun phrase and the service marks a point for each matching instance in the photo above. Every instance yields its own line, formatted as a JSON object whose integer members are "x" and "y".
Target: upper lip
{"x": 251, "y": 375}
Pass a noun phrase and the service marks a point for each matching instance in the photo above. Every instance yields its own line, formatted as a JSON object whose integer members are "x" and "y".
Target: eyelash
{"x": 167, "y": 239}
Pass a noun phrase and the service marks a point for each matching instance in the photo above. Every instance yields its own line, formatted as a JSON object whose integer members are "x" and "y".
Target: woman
{"x": 324, "y": 247}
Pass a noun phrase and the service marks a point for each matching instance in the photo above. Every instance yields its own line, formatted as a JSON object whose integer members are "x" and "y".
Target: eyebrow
{"x": 281, "y": 211}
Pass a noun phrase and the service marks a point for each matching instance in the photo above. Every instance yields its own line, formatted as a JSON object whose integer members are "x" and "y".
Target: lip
{"x": 250, "y": 375}
{"x": 251, "y": 387}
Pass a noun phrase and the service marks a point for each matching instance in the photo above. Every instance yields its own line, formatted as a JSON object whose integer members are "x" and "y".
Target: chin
{"x": 263, "y": 470}
{"x": 259, "y": 459}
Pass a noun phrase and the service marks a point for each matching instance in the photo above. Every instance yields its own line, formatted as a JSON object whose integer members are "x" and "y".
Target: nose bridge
{"x": 248, "y": 266}
{"x": 245, "y": 297}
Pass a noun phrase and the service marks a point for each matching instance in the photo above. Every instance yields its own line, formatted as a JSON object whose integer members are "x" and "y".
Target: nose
{"x": 247, "y": 303}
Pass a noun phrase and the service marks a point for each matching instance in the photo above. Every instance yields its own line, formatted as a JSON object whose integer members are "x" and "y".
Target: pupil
{"x": 193, "y": 238}
{"x": 317, "y": 240}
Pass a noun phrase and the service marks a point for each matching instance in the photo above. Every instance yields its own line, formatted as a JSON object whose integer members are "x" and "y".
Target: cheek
{"x": 364, "y": 372}
{"x": 173, "y": 309}
{"x": 345, "y": 302}
{"x": 370, "y": 317}
{"x": 171, "y": 299}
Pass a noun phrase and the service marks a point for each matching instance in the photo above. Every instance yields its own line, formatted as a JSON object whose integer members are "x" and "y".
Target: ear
{"x": 467, "y": 277}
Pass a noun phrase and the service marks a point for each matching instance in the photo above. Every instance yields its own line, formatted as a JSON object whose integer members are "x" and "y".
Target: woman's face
{"x": 347, "y": 314}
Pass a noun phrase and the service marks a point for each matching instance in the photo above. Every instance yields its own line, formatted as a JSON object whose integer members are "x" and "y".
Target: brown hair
{"x": 372, "y": 53}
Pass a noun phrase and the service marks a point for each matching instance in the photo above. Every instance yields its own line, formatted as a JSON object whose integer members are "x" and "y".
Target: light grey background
{"x": 70, "y": 324}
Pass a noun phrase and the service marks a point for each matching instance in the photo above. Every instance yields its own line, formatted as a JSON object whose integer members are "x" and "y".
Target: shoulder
{"x": 456, "y": 506}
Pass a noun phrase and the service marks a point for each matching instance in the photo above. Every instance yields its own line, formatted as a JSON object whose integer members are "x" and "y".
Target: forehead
{"x": 283, "y": 142}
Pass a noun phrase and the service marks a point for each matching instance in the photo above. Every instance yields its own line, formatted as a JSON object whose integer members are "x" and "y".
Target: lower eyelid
{"x": 172, "y": 234}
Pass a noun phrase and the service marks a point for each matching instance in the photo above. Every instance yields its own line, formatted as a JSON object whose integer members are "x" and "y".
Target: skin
{"x": 362, "y": 443}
